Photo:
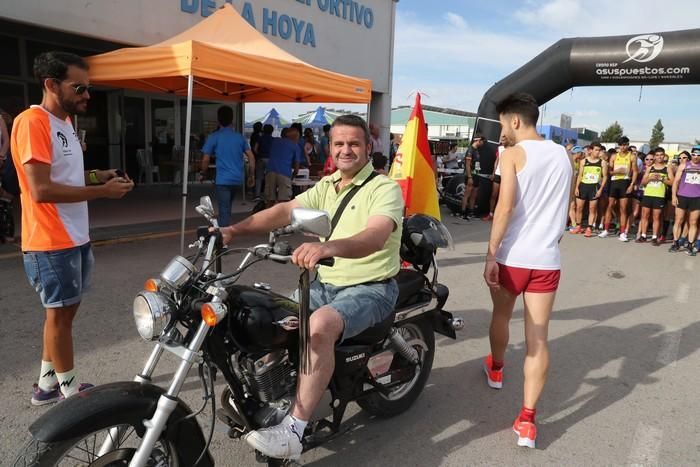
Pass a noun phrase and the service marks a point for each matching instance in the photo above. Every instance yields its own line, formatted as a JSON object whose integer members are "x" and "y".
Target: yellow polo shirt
{"x": 380, "y": 197}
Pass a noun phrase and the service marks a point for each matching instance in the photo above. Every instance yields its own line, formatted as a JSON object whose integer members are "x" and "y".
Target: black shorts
{"x": 496, "y": 179}
{"x": 587, "y": 191}
{"x": 618, "y": 188}
{"x": 652, "y": 202}
{"x": 688, "y": 204}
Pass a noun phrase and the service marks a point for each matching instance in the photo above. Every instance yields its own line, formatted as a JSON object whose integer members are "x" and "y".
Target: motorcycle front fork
{"x": 167, "y": 402}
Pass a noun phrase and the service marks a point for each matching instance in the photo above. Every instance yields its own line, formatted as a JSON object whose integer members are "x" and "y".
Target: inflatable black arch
{"x": 663, "y": 58}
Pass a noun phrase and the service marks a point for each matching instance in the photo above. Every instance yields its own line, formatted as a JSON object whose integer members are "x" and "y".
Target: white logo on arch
{"x": 644, "y": 48}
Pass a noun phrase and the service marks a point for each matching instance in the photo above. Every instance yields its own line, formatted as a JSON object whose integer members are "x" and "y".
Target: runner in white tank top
{"x": 523, "y": 253}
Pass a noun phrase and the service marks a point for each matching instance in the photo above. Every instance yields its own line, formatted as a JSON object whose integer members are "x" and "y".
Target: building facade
{"x": 349, "y": 37}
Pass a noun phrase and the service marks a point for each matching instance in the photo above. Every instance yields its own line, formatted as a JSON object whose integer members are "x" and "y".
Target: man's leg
{"x": 58, "y": 337}
{"x": 466, "y": 195}
{"x": 284, "y": 440}
{"x": 326, "y": 328}
{"x": 503, "y": 303}
{"x": 224, "y": 198}
{"x": 538, "y": 308}
{"x": 592, "y": 213}
{"x": 624, "y": 204}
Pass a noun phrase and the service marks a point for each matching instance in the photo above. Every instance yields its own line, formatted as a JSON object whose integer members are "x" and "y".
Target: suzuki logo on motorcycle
{"x": 354, "y": 358}
{"x": 644, "y": 48}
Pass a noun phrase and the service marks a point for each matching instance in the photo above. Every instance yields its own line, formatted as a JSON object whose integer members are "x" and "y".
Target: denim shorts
{"x": 361, "y": 306}
{"x": 60, "y": 277}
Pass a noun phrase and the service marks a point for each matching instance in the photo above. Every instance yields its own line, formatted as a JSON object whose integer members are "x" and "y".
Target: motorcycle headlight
{"x": 152, "y": 313}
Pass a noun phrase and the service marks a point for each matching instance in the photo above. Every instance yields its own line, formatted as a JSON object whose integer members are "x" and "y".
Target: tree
{"x": 612, "y": 133}
{"x": 657, "y": 135}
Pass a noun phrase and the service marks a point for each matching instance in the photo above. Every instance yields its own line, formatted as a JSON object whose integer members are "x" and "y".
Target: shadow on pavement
{"x": 462, "y": 408}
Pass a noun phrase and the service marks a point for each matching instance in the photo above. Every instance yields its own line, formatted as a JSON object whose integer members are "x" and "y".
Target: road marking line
{"x": 682, "y": 293}
{"x": 645, "y": 445}
{"x": 669, "y": 348}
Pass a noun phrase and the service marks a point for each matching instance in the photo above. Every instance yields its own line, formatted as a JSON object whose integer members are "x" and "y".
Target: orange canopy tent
{"x": 223, "y": 57}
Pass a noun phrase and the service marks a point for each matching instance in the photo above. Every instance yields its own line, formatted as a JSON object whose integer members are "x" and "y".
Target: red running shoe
{"x": 494, "y": 378}
{"x": 487, "y": 218}
{"x": 576, "y": 230}
{"x": 526, "y": 431}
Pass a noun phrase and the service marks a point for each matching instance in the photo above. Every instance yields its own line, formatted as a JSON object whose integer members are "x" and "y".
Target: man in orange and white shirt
{"x": 55, "y": 239}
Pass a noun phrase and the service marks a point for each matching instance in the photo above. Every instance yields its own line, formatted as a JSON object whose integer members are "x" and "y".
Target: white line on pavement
{"x": 645, "y": 445}
{"x": 682, "y": 293}
{"x": 669, "y": 348}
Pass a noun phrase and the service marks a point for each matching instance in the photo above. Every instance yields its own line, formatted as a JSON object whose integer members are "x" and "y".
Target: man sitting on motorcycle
{"x": 355, "y": 294}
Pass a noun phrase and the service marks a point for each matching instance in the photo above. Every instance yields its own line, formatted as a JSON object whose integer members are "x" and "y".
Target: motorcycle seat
{"x": 410, "y": 282}
{"x": 374, "y": 334}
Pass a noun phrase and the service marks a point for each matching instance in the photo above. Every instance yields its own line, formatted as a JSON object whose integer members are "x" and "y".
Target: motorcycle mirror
{"x": 206, "y": 206}
{"x": 311, "y": 221}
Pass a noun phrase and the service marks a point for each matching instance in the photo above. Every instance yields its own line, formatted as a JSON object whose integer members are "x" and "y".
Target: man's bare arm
{"x": 506, "y": 200}
{"x": 264, "y": 221}
{"x": 43, "y": 190}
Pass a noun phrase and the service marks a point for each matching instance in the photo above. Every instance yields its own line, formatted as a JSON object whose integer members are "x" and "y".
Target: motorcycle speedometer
{"x": 152, "y": 313}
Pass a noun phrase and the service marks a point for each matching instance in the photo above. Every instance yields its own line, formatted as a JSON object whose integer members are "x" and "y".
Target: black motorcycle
{"x": 258, "y": 341}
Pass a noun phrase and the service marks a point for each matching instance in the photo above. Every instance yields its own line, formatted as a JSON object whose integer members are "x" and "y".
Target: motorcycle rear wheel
{"x": 82, "y": 451}
{"x": 402, "y": 397}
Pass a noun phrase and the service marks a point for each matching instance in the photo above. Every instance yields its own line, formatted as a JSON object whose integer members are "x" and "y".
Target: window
{"x": 9, "y": 51}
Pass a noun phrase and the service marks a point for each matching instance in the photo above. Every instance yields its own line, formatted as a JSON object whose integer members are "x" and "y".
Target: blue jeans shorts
{"x": 361, "y": 306}
{"x": 60, "y": 277}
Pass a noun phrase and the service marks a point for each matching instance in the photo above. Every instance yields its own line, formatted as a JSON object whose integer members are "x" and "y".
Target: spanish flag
{"x": 413, "y": 167}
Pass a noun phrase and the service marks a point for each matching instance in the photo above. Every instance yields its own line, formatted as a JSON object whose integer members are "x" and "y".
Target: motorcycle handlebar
{"x": 330, "y": 262}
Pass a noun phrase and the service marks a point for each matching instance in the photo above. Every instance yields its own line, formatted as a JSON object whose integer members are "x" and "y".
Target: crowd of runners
{"x": 636, "y": 196}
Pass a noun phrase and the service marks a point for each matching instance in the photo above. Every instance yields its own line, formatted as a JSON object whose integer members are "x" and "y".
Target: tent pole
{"x": 368, "y": 106}
{"x": 185, "y": 175}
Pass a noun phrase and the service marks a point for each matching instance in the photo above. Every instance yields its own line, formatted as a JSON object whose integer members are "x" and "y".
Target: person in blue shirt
{"x": 229, "y": 147}
{"x": 285, "y": 157}
{"x": 323, "y": 144}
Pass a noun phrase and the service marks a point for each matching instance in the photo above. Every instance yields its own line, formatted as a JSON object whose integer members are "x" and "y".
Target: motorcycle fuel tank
{"x": 262, "y": 321}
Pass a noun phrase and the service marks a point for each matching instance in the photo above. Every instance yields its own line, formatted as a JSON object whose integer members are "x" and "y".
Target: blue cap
{"x": 576, "y": 149}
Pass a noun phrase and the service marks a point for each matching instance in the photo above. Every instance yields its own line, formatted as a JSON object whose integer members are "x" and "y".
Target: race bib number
{"x": 655, "y": 183}
{"x": 591, "y": 178}
{"x": 692, "y": 178}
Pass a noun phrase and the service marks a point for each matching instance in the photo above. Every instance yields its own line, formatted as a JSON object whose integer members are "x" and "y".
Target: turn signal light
{"x": 209, "y": 314}
{"x": 152, "y": 285}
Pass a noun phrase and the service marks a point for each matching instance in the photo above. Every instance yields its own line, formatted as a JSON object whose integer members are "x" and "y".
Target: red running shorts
{"x": 519, "y": 280}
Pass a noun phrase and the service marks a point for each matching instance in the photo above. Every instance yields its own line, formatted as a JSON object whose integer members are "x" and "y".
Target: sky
{"x": 452, "y": 51}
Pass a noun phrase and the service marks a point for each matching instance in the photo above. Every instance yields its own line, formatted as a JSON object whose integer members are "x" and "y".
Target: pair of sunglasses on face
{"x": 78, "y": 88}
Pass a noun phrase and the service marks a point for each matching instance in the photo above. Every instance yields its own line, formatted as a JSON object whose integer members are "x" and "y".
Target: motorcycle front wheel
{"x": 109, "y": 446}
{"x": 421, "y": 336}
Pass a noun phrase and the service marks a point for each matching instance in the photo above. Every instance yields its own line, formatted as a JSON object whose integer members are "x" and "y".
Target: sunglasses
{"x": 649, "y": 159}
{"x": 78, "y": 88}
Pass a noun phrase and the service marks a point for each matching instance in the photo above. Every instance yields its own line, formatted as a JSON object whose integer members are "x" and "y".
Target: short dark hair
{"x": 612, "y": 151}
{"x": 478, "y": 136}
{"x": 283, "y": 133}
{"x": 224, "y": 115}
{"x": 353, "y": 120}
{"x": 379, "y": 160}
{"x": 623, "y": 140}
{"x": 55, "y": 65}
{"x": 257, "y": 126}
{"x": 298, "y": 126}
{"x": 521, "y": 104}
{"x": 660, "y": 149}
{"x": 596, "y": 144}
{"x": 602, "y": 147}
{"x": 326, "y": 128}
{"x": 268, "y": 129}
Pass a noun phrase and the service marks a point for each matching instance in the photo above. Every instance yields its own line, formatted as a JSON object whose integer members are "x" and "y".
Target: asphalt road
{"x": 623, "y": 381}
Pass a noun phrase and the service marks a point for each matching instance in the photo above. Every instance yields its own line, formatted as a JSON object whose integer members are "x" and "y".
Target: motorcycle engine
{"x": 269, "y": 377}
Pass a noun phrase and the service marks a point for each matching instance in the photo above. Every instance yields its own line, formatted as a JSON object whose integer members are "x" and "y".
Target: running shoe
{"x": 279, "y": 441}
{"x": 603, "y": 234}
{"x": 674, "y": 248}
{"x": 662, "y": 239}
{"x": 494, "y": 378}
{"x": 692, "y": 251}
{"x": 41, "y": 397}
{"x": 576, "y": 230}
{"x": 588, "y": 233}
{"x": 81, "y": 388}
{"x": 526, "y": 431}
{"x": 623, "y": 237}
{"x": 487, "y": 218}
{"x": 655, "y": 242}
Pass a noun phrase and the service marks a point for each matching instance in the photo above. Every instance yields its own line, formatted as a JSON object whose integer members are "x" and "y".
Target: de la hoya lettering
{"x": 285, "y": 26}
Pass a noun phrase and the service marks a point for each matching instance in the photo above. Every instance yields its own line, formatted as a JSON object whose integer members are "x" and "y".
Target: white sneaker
{"x": 278, "y": 441}
{"x": 603, "y": 234}
{"x": 623, "y": 237}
